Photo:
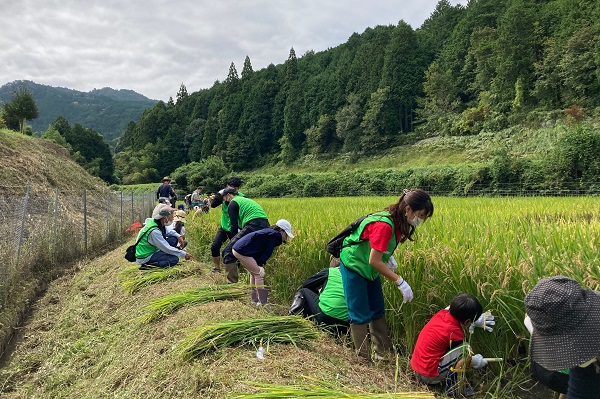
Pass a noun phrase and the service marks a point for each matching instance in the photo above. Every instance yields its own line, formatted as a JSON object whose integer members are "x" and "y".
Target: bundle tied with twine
{"x": 276, "y": 329}
{"x": 320, "y": 390}
{"x": 171, "y": 303}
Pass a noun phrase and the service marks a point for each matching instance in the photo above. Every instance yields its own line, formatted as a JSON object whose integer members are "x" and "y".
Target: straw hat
{"x": 179, "y": 216}
{"x": 566, "y": 331}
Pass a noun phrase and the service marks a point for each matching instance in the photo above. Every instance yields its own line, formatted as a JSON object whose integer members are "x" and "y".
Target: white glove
{"x": 392, "y": 264}
{"x": 221, "y": 192}
{"x": 261, "y": 271}
{"x": 477, "y": 361}
{"x": 485, "y": 321}
{"x": 405, "y": 289}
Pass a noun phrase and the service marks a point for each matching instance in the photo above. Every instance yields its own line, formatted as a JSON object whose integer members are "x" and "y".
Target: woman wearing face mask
{"x": 366, "y": 256}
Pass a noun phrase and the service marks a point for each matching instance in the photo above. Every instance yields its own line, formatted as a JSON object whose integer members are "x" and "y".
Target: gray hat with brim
{"x": 566, "y": 323}
{"x": 162, "y": 211}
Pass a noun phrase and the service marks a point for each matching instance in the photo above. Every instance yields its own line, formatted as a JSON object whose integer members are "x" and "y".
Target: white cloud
{"x": 152, "y": 46}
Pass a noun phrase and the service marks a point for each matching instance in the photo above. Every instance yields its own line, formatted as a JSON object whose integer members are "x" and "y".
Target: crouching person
{"x": 321, "y": 298}
{"x": 441, "y": 349}
{"x": 153, "y": 249}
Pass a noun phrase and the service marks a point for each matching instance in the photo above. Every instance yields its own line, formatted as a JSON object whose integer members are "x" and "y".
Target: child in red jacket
{"x": 441, "y": 346}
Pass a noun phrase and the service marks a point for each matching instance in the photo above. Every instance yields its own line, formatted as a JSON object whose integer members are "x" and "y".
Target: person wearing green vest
{"x": 245, "y": 216}
{"x": 322, "y": 299}
{"x": 224, "y": 232}
{"x": 153, "y": 247}
{"x": 366, "y": 255}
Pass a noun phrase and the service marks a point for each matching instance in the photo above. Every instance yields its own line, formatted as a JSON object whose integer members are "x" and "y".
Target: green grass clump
{"x": 171, "y": 303}
{"x": 321, "y": 391}
{"x": 154, "y": 276}
{"x": 277, "y": 329}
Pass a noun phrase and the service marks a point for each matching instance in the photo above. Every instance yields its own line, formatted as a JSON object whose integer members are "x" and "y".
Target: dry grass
{"x": 82, "y": 342}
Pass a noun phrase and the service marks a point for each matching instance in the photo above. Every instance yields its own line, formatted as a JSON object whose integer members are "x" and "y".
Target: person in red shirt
{"x": 441, "y": 346}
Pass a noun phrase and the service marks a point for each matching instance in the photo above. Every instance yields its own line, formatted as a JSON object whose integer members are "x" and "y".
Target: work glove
{"x": 392, "y": 264}
{"x": 261, "y": 271}
{"x": 485, "y": 321}
{"x": 477, "y": 361}
{"x": 405, "y": 289}
{"x": 221, "y": 192}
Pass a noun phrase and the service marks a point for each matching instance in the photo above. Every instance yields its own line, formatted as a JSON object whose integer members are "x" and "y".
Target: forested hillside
{"x": 481, "y": 68}
{"x": 108, "y": 111}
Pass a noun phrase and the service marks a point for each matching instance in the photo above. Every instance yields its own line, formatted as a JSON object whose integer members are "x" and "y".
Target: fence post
{"x": 23, "y": 216}
{"x": 107, "y": 216}
{"x": 132, "y": 215}
{"x": 121, "y": 211}
{"x": 55, "y": 223}
{"x": 84, "y": 221}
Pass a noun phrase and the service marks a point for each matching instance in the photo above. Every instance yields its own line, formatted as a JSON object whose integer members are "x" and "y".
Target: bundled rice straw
{"x": 170, "y": 303}
{"x": 154, "y": 276}
{"x": 279, "y": 329}
{"x": 322, "y": 392}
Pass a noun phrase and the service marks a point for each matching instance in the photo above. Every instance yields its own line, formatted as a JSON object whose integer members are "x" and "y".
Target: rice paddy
{"x": 493, "y": 248}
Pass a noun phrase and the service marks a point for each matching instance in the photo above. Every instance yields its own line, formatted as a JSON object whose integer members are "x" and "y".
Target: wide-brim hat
{"x": 566, "y": 323}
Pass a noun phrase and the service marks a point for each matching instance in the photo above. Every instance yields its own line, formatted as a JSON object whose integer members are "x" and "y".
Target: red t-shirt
{"x": 378, "y": 234}
{"x": 434, "y": 341}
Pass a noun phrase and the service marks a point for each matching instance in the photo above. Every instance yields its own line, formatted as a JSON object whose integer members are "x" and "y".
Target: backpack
{"x": 335, "y": 245}
{"x": 130, "y": 251}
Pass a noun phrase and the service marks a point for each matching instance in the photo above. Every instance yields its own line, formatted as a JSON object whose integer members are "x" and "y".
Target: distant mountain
{"x": 106, "y": 110}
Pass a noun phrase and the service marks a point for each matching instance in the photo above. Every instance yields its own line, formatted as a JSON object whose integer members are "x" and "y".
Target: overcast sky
{"x": 152, "y": 46}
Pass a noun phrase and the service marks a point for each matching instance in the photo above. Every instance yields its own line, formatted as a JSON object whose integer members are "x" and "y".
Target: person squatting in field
{"x": 566, "y": 333}
{"x": 321, "y": 299}
{"x": 254, "y": 249}
{"x": 363, "y": 261}
{"x": 245, "y": 216}
{"x": 441, "y": 351}
{"x": 156, "y": 248}
{"x": 224, "y": 231}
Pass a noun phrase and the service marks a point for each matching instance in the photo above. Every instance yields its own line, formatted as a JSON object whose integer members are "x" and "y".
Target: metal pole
{"x": 55, "y": 223}
{"x": 132, "y": 216}
{"x": 23, "y": 216}
{"x": 84, "y": 221}
{"x": 107, "y": 216}
{"x": 121, "y": 211}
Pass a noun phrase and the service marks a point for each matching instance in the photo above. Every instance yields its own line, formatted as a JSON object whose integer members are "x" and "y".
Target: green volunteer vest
{"x": 144, "y": 249}
{"x": 225, "y": 222}
{"x": 331, "y": 300}
{"x": 249, "y": 210}
{"x": 356, "y": 257}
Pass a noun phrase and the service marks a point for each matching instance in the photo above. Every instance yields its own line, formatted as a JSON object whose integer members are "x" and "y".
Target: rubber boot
{"x": 254, "y": 296}
{"x": 297, "y": 307}
{"x": 216, "y": 263}
{"x": 381, "y": 340}
{"x": 263, "y": 295}
{"x": 232, "y": 272}
{"x": 360, "y": 337}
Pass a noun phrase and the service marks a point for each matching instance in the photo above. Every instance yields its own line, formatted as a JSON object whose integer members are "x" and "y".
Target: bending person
{"x": 224, "y": 231}
{"x": 322, "y": 299}
{"x": 153, "y": 249}
{"x": 254, "y": 249}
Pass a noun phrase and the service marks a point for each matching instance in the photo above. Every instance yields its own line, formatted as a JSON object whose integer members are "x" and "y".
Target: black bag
{"x": 130, "y": 251}
{"x": 335, "y": 245}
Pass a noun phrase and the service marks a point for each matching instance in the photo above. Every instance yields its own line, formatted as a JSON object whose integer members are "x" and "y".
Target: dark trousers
{"x": 163, "y": 259}
{"x": 584, "y": 383}
{"x": 312, "y": 309}
{"x": 221, "y": 236}
{"x": 253, "y": 225}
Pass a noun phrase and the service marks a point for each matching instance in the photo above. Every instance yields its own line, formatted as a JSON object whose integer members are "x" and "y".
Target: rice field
{"x": 493, "y": 248}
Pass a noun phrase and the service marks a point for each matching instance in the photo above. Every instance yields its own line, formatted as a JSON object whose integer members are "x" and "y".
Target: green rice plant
{"x": 171, "y": 303}
{"x": 278, "y": 329}
{"x": 156, "y": 275}
{"x": 320, "y": 390}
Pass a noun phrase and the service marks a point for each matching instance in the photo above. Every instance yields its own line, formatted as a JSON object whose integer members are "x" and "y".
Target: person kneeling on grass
{"x": 154, "y": 249}
{"x": 441, "y": 348}
{"x": 322, "y": 299}
{"x": 254, "y": 249}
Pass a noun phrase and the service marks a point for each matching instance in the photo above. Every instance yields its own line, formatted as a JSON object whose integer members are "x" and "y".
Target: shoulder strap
{"x": 145, "y": 233}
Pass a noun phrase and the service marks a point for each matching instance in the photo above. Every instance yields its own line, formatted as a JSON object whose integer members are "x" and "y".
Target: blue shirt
{"x": 259, "y": 244}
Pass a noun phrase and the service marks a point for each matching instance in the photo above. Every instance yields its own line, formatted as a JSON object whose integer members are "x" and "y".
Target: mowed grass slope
{"x": 84, "y": 342}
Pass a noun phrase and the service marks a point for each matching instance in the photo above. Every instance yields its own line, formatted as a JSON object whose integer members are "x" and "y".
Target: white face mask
{"x": 169, "y": 222}
{"x": 415, "y": 221}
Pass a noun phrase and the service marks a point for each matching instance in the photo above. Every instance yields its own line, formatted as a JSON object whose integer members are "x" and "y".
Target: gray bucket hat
{"x": 566, "y": 323}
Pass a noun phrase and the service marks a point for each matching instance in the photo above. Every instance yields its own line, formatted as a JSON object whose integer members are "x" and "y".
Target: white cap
{"x": 285, "y": 226}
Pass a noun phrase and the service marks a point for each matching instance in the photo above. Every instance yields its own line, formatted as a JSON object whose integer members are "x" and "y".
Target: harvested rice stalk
{"x": 319, "y": 391}
{"x": 279, "y": 329}
{"x": 171, "y": 303}
{"x": 156, "y": 275}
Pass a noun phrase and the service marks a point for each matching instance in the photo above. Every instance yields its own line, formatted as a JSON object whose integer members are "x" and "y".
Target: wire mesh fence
{"x": 41, "y": 229}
